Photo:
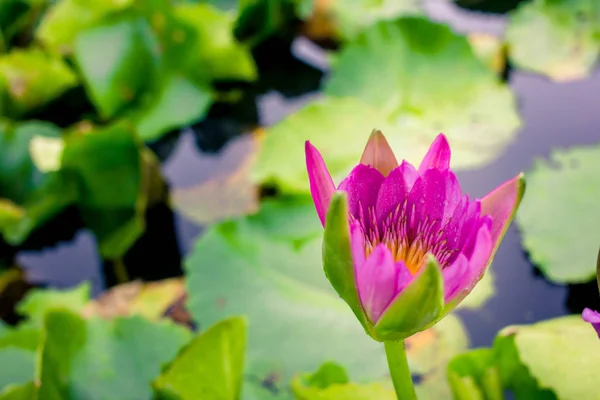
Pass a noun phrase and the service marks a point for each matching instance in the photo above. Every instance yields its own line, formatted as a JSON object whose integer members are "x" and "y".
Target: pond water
{"x": 553, "y": 116}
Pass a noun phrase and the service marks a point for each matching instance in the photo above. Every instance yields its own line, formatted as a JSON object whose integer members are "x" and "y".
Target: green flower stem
{"x": 398, "y": 363}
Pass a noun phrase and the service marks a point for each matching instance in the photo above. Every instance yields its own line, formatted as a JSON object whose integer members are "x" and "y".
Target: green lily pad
{"x": 17, "y": 366}
{"x": 94, "y": 359}
{"x": 25, "y": 391}
{"x": 179, "y": 102}
{"x": 209, "y": 367}
{"x": 562, "y": 356}
{"x": 389, "y": 78}
{"x": 325, "y": 123}
{"x": 558, "y": 38}
{"x": 348, "y": 18}
{"x": 112, "y": 171}
{"x": 475, "y": 375}
{"x": 28, "y": 197}
{"x": 268, "y": 266}
{"x": 34, "y": 78}
{"x": 563, "y": 188}
{"x": 217, "y": 53}
{"x": 330, "y": 382}
{"x": 117, "y": 60}
{"x": 402, "y": 68}
{"x": 65, "y": 19}
{"x": 39, "y": 301}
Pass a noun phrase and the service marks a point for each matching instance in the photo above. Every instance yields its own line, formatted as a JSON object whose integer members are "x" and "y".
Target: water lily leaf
{"x": 561, "y": 355}
{"x": 489, "y": 49}
{"x": 574, "y": 212}
{"x": 28, "y": 196}
{"x": 217, "y": 53}
{"x": 475, "y": 375}
{"x": 34, "y": 78}
{"x": 95, "y": 359}
{"x": 39, "y": 301}
{"x": 429, "y": 353}
{"x": 117, "y": 60}
{"x": 558, "y": 38}
{"x": 473, "y": 109}
{"x": 24, "y": 336}
{"x": 330, "y": 382}
{"x": 25, "y": 391}
{"x": 177, "y": 103}
{"x": 268, "y": 267}
{"x": 226, "y": 195}
{"x": 210, "y": 366}
{"x": 325, "y": 123}
{"x": 345, "y": 19}
{"x": 65, "y": 19}
{"x": 112, "y": 170}
{"x": 17, "y": 366}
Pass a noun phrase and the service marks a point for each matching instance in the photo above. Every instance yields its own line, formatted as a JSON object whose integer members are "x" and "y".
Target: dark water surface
{"x": 553, "y": 116}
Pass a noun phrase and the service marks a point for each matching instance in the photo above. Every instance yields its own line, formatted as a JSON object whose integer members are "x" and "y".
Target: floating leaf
{"x": 330, "y": 382}
{"x": 326, "y": 123}
{"x": 25, "y": 391}
{"x": 17, "y": 366}
{"x": 389, "y": 78}
{"x": 95, "y": 359}
{"x": 345, "y": 19}
{"x": 34, "y": 78}
{"x": 223, "y": 196}
{"x": 177, "y": 103}
{"x": 562, "y": 355}
{"x": 489, "y": 49}
{"x": 39, "y": 301}
{"x": 429, "y": 353}
{"x": 396, "y": 66}
{"x": 63, "y": 21}
{"x": 559, "y": 38}
{"x": 117, "y": 60}
{"x": 217, "y": 52}
{"x": 475, "y": 375}
{"x": 112, "y": 171}
{"x": 28, "y": 196}
{"x": 210, "y": 367}
{"x": 563, "y": 246}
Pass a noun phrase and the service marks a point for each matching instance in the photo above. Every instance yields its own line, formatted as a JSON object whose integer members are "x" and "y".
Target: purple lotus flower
{"x": 593, "y": 317}
{"x": 403, "y": 246}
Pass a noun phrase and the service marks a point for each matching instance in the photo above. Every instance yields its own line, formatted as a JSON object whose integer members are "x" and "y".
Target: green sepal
{"x": 417, "y": 307}
{"x": 337, "y": 257}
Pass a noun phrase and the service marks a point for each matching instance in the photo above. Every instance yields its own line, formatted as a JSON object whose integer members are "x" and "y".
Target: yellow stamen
{"x": 412, "y": 254}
